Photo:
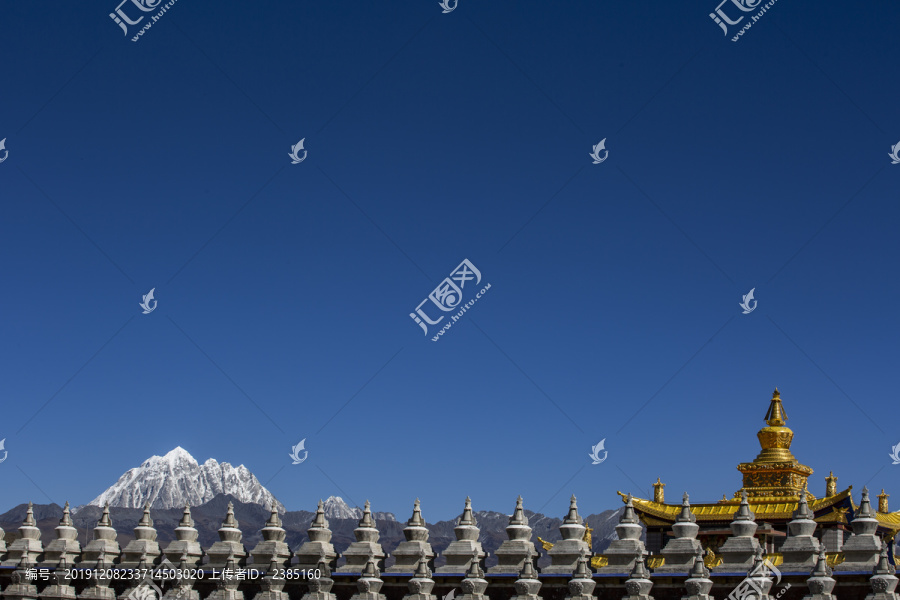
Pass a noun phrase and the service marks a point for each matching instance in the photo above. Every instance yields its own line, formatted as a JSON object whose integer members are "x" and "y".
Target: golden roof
{"x": 764, "y": 508}
{"x": 773, "y": 481}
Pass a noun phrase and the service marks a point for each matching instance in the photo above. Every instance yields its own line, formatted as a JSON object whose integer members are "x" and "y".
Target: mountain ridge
{"x": 178, "y": 479}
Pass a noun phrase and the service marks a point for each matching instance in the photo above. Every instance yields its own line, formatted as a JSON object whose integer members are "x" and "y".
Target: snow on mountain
{"x": 176, "y": 479}
{"x": 336, "y": 508}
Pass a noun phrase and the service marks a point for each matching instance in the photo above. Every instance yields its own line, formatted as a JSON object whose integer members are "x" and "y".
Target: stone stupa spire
{"x": 66, "y": 520}
{"x": 272, "y": 548}
{"x": 863, "y": 547}
{"x": 185, "y": 546}
{"x": 698, "y": 584}
{"x": 144, "y": 543}
{"x": 638, "y": 584}
{"x": 319, "y": 547}
{"x": 230, "y": 522}
{"x": 146, "y": 521}
{"x": 820, "y": 582}
{"x": 369, "y": 584}
{"x": 366, "y": 545}
{"x": 468, "y": 517}
{"x": 680, "y": 552}
{"x": 883, "y": 580}
{"x": 28, "y": 547}
{"x": 105, "y": 520}
{"x": 319, "y": 521}
{"x": 474, "y": 584}
{"x": 229, "y": 547}
{"x": 581, "y": 585}
{"x": 320, "y": 587}
{"x": 759, "y": 576}
{"x": 518, "y": 549}
{"x": 739, "y": 550}
{"x": 408, "y": 553}
{"x": 104, "y": 542}
{"x": 624, "y": 552}
{"x": 272, "y": 585}
{"x": 65, "y": 549}
{"x": 527, "y": 585}
{"x": 59, "y": 554}
{"x": 565, "y": 554}
{"x": 801, "y": 548}
{"x": 421, "y": 584}
{"x": 459, "y": 553}
{"x": 187, "y": 521}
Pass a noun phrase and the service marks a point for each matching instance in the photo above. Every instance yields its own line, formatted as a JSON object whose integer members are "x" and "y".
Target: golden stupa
{"x": 773, "y": 481}
{"x": 775, "y": 473}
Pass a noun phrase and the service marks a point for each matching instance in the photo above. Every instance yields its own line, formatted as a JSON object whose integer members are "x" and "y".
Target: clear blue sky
{"x": 284, "y": 291}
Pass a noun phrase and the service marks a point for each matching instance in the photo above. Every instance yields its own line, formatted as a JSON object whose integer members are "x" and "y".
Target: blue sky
{"x": 284, "y": 291}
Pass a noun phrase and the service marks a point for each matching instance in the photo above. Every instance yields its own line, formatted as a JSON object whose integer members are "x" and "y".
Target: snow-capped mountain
{"x": 176, "y": 479}
{"x": 336, "y": 508}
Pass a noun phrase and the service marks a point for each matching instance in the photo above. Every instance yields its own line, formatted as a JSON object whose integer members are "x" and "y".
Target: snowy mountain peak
{"x": 176, "y": 479}
{"x": 179, "y": 452}
{"x": 336, "y": 508}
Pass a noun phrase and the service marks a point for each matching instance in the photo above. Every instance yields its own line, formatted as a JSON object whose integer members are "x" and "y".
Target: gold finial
{"x": 587, "y": 535}
{"x": 775, "y": 416}
{"x": 659, "y": 492}
{"x": 883, "y": 502}
{"x": 830, "y": 485}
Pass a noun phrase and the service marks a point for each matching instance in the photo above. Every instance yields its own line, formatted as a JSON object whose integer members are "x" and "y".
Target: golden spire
{"x": 775, "y": 472}
{"x": 883, "y": 502}
{"x": 830, "y": 485}
{"x": 776, "y": 438}
{"x": 659, "y": 492}
{"x": 776, "y": 417}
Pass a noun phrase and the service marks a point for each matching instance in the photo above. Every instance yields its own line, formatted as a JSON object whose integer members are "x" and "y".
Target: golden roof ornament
{"x": 659, "y": 491}
{"x": 775, "y": 472}
{"x": 776, "y": 417}
{"x": 830, "y": 485}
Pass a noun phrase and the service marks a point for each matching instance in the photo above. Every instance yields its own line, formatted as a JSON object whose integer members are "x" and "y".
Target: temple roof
{"x": 773, "y": 483}
{"x": 657, "y": 513}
